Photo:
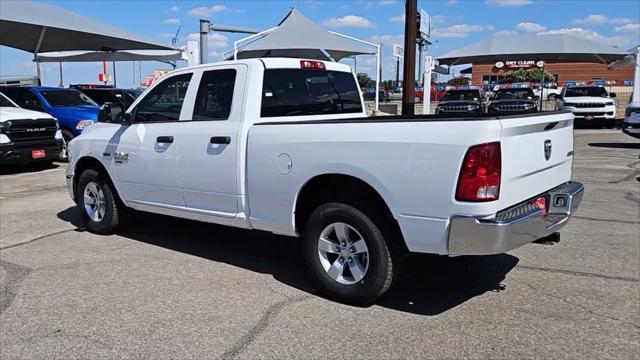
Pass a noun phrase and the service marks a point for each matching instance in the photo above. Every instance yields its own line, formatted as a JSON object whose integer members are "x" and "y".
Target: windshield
{"x": 461, "y": 95}
{"x": 58, "y": 98}
{"x": 4, "y": 102}
{"x": 586, "y": 91}
{"x": 518, "y": 94}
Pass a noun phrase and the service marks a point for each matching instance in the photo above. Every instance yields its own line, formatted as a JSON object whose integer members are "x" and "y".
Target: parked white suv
{"x": 284, "y": 145}
{"x": 591, "y": 105}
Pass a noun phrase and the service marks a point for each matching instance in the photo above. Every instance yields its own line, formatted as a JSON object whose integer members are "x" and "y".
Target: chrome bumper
{"x": 515, "y": 226}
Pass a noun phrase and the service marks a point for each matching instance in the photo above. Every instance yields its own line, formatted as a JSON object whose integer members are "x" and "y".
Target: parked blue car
{"x": 73, "y": 109}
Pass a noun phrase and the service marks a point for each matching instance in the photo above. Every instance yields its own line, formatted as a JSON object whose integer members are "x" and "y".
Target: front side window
{"x": 61, "y": 98}
{"x": 5, "y": 102}
{"x": 293, "y": 92}
{"x": 164, "y": 102}
{"x": 215, "y": 95}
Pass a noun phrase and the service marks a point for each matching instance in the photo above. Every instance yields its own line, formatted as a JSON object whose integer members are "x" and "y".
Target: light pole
{"x": 409, "y": 76}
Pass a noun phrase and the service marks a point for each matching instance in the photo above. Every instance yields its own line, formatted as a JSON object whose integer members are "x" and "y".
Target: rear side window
{"x": 294, "y": 92}
{"x": 215, "y": 95}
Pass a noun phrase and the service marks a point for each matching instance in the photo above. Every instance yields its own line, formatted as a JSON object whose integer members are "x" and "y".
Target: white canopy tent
{"x": 42, "y": 28}
{"x": 633, "y": 58}
{"x": 297, "y": 36}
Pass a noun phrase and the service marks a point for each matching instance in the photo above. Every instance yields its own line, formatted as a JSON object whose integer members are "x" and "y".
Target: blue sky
{"x": 456, "y": 23}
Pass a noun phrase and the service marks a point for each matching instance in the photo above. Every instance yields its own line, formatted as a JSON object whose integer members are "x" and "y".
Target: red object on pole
{"x": 409, "y": 77}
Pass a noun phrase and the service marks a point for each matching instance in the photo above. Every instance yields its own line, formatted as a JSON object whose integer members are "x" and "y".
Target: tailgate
{"x": 537, "y": 154}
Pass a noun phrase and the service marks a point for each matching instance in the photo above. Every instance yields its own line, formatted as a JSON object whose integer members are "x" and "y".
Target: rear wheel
{"x": 347, "y": 254}
{"x": 98, "y": 204}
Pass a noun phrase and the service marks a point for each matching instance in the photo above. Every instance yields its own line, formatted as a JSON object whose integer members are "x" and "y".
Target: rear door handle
{"x": 164, "y": 139}
{"x": 220, "y": 140}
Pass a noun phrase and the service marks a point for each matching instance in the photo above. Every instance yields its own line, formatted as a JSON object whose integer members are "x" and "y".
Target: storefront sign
{"x": 522, "y": 64}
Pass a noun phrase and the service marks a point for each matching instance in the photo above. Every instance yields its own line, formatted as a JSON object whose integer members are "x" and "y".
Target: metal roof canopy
{"x": 36, "y": 27}
{"x": 82, "y": 56}
{"x": 297, "y": 36}
{"x": 551, "y": 47}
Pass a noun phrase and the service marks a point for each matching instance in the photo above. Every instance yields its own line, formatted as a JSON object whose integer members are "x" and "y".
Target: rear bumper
{"x": 20, "y": 152}
{"x": 515, "y": 226}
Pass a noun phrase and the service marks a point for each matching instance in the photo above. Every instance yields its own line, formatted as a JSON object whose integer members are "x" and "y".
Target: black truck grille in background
{"x": 590, "y": 105}
{"x": 28, "y": 130}
{"x": 457, "y": 108}
{"x": 511, "y": 107}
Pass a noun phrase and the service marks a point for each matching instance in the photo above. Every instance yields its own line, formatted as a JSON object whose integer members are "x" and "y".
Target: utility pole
{"x": 409, "y": 76}
{"x": 397, "y": 71}
{"x": 204, "y": 43}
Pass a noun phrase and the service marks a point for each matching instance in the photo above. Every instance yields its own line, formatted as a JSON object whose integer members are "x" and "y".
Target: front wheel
{"x": 98, "y": 204}
{"x": 347, "y": 254}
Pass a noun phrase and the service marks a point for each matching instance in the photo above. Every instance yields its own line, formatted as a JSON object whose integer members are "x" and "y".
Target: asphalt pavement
{"x": 170, "y": 288}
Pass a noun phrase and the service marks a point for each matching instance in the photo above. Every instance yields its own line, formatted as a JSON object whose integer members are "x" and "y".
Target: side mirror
{"x": 612, "y": 95}
{"x": 111, "y": 112}
{"x": 33, "y": 105}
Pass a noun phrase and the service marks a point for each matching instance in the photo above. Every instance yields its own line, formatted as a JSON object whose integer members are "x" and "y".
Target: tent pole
{"x": 61, "y": 82}
{"x": 115, "y": 83}
{"x": 36, "y": 51}
{"x": 542, "y": 87}
{"x": 636, "y": 78}
{"x": 378, "y": 68}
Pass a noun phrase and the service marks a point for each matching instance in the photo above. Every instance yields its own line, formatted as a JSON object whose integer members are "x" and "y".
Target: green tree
{"x": 531, "y": 75}
{"x": 461, "y": 80}
{"x": 365, "y": 81}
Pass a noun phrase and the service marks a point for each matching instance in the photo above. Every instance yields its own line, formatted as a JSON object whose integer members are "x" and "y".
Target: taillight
{"x": 479, "y": 178}
{"x": 312, "y": 65}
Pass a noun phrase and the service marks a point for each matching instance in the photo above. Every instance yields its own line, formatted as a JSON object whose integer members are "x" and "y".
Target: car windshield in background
{"x": 4, "y": 102}
{"x": 461, "y": 95}
{"x": 59, "y": 98}
{"x": 514, "y": 94}
{"x": 586, "y": 91}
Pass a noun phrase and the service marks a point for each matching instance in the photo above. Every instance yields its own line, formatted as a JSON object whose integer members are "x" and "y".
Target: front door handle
{"x": 220, "y": 140}
{"x": 164, "y": 139}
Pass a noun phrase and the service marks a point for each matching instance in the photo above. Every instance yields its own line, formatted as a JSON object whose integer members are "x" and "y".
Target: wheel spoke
{"x": 325, "y": 245}
{"x": 359, "y": 246}
{"x": 342, "y": 231}
{"x": 357, "y": 270}
{"x": 88, "y": 200}
{"x": 336, "y": 269}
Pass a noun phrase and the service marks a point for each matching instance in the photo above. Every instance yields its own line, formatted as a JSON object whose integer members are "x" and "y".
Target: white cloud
{"x": 215, "y": 39}
{"x": 204, "y": 11}
{"x": 349, "y": 21}
{"x": 175, "y": 8}
{"x": 589, "y": 35}
{"x": 633, "y": 27}
{"x": 387, "y": 39}
{"x": 386, "y": 2}
{"x": 505, "y": 33}
{"x": 171, "y": 21}
{"x": 459, "y": 30}
{"x": 399, "y": 18}
{"x": 530, "y": 27}
{"x": 215, "y": 55}
{"x": 593, "y": 19}
{"x": 621, "y": 21}
{"x": 508, "y": 2}
{"x": 451, "y": 2}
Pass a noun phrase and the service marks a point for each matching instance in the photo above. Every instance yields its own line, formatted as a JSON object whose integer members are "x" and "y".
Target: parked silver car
{"x": 631, "y": 124}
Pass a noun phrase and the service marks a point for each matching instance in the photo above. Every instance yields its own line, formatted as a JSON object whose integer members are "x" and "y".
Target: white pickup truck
{"x": 284, "y": 145}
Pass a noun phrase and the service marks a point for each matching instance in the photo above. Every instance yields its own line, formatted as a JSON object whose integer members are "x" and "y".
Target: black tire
{"x": 66, "y": 136}
{"x": 114, "y": 211}
{"x": 382, "y": 268}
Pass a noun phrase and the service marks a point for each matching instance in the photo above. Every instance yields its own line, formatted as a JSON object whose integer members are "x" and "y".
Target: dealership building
{"x": 586, "y": 72}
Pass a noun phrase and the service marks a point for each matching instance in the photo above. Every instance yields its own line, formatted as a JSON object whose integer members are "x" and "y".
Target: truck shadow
{"x": 429, "y": 285}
